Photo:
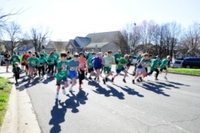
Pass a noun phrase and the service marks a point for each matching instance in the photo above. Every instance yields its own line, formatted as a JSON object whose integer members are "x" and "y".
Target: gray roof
{"x": 58, "y": 45}
{"x": 103, "y": 36}
{"x": 97, "y": 45}
{"x": 83, "y": 41}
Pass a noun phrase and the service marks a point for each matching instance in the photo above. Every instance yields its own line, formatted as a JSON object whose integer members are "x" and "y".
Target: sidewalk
{"x": 20, "y": 116}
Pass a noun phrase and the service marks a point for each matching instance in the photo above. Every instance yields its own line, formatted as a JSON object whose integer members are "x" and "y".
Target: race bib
{"x": 81, "y": 65}
{"x": 72, "y": 69}
{"x": 33, "y": 63}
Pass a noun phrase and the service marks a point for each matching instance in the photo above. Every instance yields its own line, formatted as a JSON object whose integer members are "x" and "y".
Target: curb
{"x": 20, "y": 116}
{"x": 184, "y": 74}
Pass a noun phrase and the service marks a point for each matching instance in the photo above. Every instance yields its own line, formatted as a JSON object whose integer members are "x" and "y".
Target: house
{"x": 24, "y": 46}
{"x": 5, "y": 46}
{"x": 59, "y": 46}
{"x": 78, "y": 44}
{"x": 102, "y": 42}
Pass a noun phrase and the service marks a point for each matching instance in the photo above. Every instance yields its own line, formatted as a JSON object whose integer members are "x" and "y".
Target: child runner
{"x": 16, "y": 70}
{"x": 51, "y": 63}
{"x": 90, "y": 65}
{"x": 121, "y": 67}
{"x": 7, "y": 60}
{"x": 164, "y": 65}
{"x": 154, "y": 66}
{"x": 25, "y": 59}
{"x": 82, "y": 66}
{"x": 62, "y": 74}
{"x": 73, "y": 68}
{"x": 41, "y": 68}
{"x": 98, "y": 63}
{"x": 140, "y": 69}
{"x": 14, "y": 58}
{"x": 109, "y": 60}
{"x": 32, "y": 63}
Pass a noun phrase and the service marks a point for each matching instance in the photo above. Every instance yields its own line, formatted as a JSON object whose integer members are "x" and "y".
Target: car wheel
{"x": 188, "y": 66}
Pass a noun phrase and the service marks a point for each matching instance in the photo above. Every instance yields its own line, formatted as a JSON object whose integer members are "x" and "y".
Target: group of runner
{"x": 67, "y": 68}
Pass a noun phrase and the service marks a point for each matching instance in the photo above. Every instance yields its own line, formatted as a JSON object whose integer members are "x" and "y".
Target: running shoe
{"x": 133, "y": 81}
{"x": 90, "y": 78}
{"x": 140, "y": 78}
{"x": 70, "y": 89}
{"x": 57, "y": 96}
{"x": 64, "y": 91}
{"x": 104, "y": 81}
{"x": 124, "y": 80}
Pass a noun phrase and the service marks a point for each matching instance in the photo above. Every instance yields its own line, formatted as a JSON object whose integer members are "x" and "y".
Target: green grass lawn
{"x": 187, "y": 71}
{"x": 5, "y": 89}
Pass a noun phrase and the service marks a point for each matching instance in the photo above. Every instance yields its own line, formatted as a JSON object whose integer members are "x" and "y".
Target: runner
{"x": 117, "y": 56}
{"x": 140, "y": 69}
{"x": 164, "y": 65}
{"x": 98, "y": 63}
{"x": 129, "y": 63}
{"x": 14, "y": 58}
{"x": 32, "y": 64}
{"x": 25, "y": 58}
{"x": 90, "y": 65}
{"x": 41, "y": 68}
{"x": 73, "y": 68}
{"x": 7, "y": 60}
{"x": 16, "y": 70}
{"x": 62, "y": 74}
{"x": 56, "y": 55}
{"x": 109, "y": 60}
{"x": 154, "y": 66}
{"x": 138, "y": 58}
{"x": 51, "y": 63}
{"x": 121, "y": 67}
{"x": 68, "y": 56}
{"x": 82, "y": 66}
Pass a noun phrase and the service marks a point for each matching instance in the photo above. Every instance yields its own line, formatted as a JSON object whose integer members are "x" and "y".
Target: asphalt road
{"x": 162, "y": 106}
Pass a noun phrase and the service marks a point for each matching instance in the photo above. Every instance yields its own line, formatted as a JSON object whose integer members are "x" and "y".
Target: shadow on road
{"x": 130, "y": 91}
{"x": 176, "y": 83}
{"x": 157, "y": 88}
{"x": 60, "y": 109}
{"x": 107, "y": 93}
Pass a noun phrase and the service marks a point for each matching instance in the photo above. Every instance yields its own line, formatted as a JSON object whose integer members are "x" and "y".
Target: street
{"x": 162, "y": 106}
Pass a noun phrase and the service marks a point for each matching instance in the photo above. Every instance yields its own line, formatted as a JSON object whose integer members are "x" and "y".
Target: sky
{"x": 66, "y": 19}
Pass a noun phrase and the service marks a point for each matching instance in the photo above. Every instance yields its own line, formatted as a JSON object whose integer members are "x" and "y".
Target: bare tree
{"x": 190, "y": 43}
{"x": 14, "y": 33}
{"x": 38, "y": 37}
{"x": 121, "y": 41}
{"x": 4, "y": 18}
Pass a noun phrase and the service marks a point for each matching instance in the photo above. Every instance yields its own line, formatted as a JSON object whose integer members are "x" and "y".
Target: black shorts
{"x": 146, "y": 69}
{"x": 96, "y": 68}
{"x": 163, "y": 69}
{"x": 59, "y": 82}
{"x": 26, "y": 66}
{"x": 90, "y": 70}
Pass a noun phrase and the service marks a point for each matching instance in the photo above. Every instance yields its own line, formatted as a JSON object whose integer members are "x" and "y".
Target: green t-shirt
{"x": 121, "y": 64}
{"x": 109, "y": 60}
{"x": 89, "y": 62}
{"x": 164, "y": 63}
{"x": 42, "y": 61}
{"x": 51, "y": 60}
{"x": 33, "y": 62}
{"x": 138, "y": 58}
{"x": 15, "y": 58}
{"x": 117, "y": 57}
{"x": 154, "y": 65}
{"x": 62, "y": 70}
{"x": 148, "y": 62}
{"x": 56, "y": 55}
